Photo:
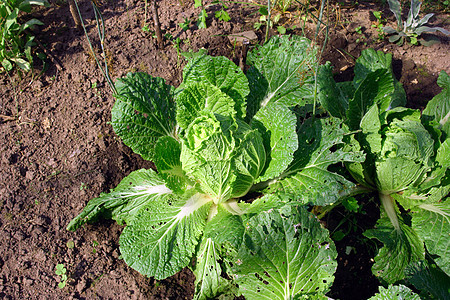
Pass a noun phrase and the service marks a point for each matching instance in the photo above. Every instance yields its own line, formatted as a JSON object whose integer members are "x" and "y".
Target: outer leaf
{"x": 402, "y": 246}
{"x": 278, "y": 127}
{"x": 432, "y": 224}
{"x": 395, "y": 292}
{"x": 438, "y": 109}
{"x": 370, "y": 61}
{"x": 167, "y": 161}
{"x": 225, "y": 228}
{"x": 144, "y": 111}
{"x": 308, "y": 177}
{"x": 222, "y": 73}
{"x": 202, "y": 97}
{"x": 161, "y": 239}
{"x": 122, "y": 203}
{"x": 279, "y": 72}
{"x": 429, "y": 279}
{"x": 286, "y": 253}
{"x": 207, "y": 271}
{"x": 330, "y": 96}
{"x": 377, "y": 87}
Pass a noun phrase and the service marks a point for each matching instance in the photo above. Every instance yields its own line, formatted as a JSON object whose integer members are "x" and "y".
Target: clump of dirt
{"x": 59, "y": 151}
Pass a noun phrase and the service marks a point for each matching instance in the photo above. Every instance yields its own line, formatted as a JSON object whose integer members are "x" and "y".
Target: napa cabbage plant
{"x": 237, "y": 156}
{"x": 407, "y": 164}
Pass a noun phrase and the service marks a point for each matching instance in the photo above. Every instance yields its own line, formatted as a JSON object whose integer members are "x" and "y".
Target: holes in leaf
{"x": 310, "y": 141}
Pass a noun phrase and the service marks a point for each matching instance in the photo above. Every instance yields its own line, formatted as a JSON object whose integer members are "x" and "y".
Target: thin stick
{"x": 157, "y": 25}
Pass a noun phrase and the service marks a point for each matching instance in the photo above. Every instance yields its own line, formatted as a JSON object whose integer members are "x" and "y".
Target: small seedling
{"x": 70, "y": 244}
{"x": 61, "y": 271}
{"x": 94, "y": 244}
{"x": 83, "y": 186}
{"x": 378, "y": 25}
{"x": 185, "y": 24}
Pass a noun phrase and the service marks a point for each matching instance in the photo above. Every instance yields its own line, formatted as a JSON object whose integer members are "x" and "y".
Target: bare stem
{"x": 157, "y": 25}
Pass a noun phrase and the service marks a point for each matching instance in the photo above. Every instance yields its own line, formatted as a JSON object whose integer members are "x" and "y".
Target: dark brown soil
{"x": 58, "y": 150}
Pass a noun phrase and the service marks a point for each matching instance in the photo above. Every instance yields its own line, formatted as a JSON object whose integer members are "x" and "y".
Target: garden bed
{"x": 59, "y": 151}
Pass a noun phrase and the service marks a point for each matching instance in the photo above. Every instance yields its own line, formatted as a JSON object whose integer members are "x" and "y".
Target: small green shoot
{"x": 378, "y": 25}
{"x": 94, "y": 244}
{"x": 185, "y": 24}
{"x": 83, "y": 186}
{"x": 61, "y": 271}
{"x": 70, "y": 244}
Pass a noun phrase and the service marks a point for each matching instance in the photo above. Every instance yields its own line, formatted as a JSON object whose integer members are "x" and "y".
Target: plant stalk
{"x": 157, "y": 25}
{"x": 389, "y": 207}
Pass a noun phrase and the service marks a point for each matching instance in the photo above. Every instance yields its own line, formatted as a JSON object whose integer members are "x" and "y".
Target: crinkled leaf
{"x": 222, "y": 73}
{"x": 402, "y": 246}
{"x": 330, "y": 95}
{"x": 432, "y": 224}
{"x": 198, "y": 97}
{"x": 308, "y": 177}
{"x": 370, "y": 61}
{"x": 225, "y": 227}
{"x": 206, "y": 155}
{"x": 277, "y": 123}
{"x": 162, "y": 237}
{"x": 208, "y": 279}
{"x": 405, "y": 156}
{"x": 438, "y": 109}
{"x": 167, "y": 161}
{"x": 416, "y": 196}
{"x": 144, "y": 111}
{"x": 395, "y": 292}
{"x": 267, "y": 202}
{"x": 377, "y": 87}
{"x": 281, "y": 71}
{"x": 286, "y": 253}
{"x": 123, "y": 202}
{"x": 429, "y": 279}
{"x": 224, "y": 155}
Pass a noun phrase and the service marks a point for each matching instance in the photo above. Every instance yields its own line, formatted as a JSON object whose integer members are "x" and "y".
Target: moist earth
{"x": 58, "y": 149}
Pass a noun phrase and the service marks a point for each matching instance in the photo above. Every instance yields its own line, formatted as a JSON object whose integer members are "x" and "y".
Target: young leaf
{"x": 308, "y": 177}
{"x": 432, "y": 224}
{"x": 330, "y": 95}
{"x": 122, "y": 203}
{"x": 199, "y": 97}
{"x": 222, "y": 73}
{"x": 161, "y": 239}
{"x": 395, "y": 292}
{"x": 286, "y": 253}
{"x": 277, "y": 123}
{"x": 168, "y": 164}
{"x": 377, "y": 87}
{"x": 280, "y": 71}
{"x": 224, "y": 155}
{"x": 144, "y": 111}
{"x": 370, "y": 61}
